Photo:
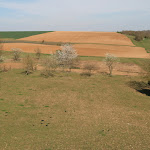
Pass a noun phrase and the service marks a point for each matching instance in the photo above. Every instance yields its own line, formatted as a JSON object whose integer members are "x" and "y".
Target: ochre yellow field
{"x": 83, "y": 49}
{"x": 30, "y": 48}
{"x": 82, "y": 37}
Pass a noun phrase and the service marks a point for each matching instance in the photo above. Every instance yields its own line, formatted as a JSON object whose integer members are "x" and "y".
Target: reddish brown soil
{"x": 30, "y": 48}
{"x": 83, "y": 49}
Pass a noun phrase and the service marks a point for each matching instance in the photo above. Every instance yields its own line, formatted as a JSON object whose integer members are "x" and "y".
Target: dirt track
{"x": 82, "y": 37}
{"x": 83, "y": 49}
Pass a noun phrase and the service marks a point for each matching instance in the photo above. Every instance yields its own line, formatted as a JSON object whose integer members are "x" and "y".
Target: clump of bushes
{"x": 38, "y": 53}
{"x": 50, "y": 65}
{"x": 67, "y": 57}
{"x": 16, "y": 53}
{"x": 88, "y": 68}
{"x": 3, "y": 68}
{"x": 29, "y": 65}
{"x": 139, "y": 35}
{"x": 1, "y": 52}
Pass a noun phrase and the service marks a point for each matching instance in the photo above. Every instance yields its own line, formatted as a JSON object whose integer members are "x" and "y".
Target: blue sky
{"x": 74, "y": 15}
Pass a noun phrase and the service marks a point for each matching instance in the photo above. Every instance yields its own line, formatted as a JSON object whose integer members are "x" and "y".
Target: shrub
{"x": 1, "y": 51}
{"x": 38, "y": 53}
{"x": 89, "y": 67}
{"x": 16, "y": 53}
{"x": 3, "y": 68}
{"x": 147, "y": 69}
{"x": 110, "y": 61}
{"x": 50, "y": 65}
{"x": 29, "y": 65}
{"x": 67, "y": 56}
{"x": 1, "y": 58}
{"x": 139, "y": 37}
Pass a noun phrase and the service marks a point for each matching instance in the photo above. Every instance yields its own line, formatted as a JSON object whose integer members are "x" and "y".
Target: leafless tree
{"x": 38, "y": 53}
{"x": 16, "y": 53}
{"x": 29, "y": 64}
{"x": 89, "y": 67}
{"x": 1, "y": 51}
{"x": 110, "y": 61}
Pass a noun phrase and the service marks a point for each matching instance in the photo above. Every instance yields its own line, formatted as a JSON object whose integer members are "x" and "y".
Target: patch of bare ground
{"x": 119, "y": 69}
{"x": 30, "y": 48}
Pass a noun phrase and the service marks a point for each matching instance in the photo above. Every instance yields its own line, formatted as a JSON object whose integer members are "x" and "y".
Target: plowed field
{"x": 82, "y": 37}
{"x": 83, "y": 49}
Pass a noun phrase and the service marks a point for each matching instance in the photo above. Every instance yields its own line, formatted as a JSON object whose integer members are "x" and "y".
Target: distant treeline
{"x": 139, "y": 35}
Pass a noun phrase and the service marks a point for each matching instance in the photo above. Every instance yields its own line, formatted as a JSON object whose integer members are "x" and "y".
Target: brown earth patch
{"x": 30, "y": 48}
{"x": 119, "y": 69}
{"x": 119, "y": 51}
{"x": 83, "y": 49}
{"x": 82, "y": 37}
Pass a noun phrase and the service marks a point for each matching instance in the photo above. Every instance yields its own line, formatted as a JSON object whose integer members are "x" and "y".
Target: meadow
{"x": 144, "y": 43}
{"x": 70, "y": 111}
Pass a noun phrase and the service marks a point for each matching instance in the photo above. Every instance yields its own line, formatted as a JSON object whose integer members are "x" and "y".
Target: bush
{"x": 1, "y": 58}
{"x": 139, "y": 37}
{"x": 50, "y": 65}
{"x": 86, "y": 74}
{"x": 1, "y": 51}
{"x": 29, "y": 65}
{"x": 67, "y": 56}
{"x": 110, "y": 61}
{"x": 16, "y": 53}
{"x": 38, "y": 53}
{"x": 4, "y": 68}
{"x": 89, "y": 67}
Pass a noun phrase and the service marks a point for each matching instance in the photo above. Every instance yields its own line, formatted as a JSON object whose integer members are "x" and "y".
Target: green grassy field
{"x": 69, "y": 111}
{"x": 144, "y": 43}
{"x": 19, "y": 34}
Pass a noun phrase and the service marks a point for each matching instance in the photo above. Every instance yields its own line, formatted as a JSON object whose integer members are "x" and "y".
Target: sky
{"x": 74, "y": 15}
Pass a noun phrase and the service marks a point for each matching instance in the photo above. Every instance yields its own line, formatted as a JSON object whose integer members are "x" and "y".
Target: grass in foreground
{"x": 19, "y": 34}
{"x": 144, "y": 43}
{"x": 72, "y": 112}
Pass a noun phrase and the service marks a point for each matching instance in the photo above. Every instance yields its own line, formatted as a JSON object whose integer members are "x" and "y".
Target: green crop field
{"x": 19, "y": 34}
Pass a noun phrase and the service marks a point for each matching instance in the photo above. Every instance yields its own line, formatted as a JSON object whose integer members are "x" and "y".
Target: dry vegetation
{"x": 139, "y": 35}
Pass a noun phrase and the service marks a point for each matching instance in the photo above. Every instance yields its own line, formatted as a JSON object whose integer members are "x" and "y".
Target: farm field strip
{"x": 19, "y": 34}
{"x": 82, "y": 37}
{"x": 83, "y": 49}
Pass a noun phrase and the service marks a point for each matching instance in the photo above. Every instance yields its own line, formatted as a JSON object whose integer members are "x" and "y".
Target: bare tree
{"x": 16, "y": 53}
{"x": 38, "y": 53}
{"x": 29, "y": 64}
{"x": 110, "y": 61}
{"x": 67, "y": 56}
{"x": 50, "y": 65}
{"x": 1, "y": 51}
{"x": 89, "y": 67}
